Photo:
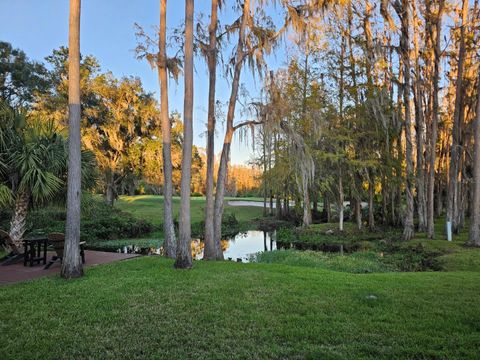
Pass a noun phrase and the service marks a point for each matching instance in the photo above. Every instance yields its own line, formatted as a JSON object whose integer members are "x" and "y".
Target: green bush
{"x": 99, "y": 222}
{"x": 230, "y": 226}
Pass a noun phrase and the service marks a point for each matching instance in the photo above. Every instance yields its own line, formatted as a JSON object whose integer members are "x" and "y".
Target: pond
{"x": 237, "y": 248}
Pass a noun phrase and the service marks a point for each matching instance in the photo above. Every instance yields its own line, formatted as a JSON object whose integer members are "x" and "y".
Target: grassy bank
{"x": 143, "y": 308}
{"x": 150, "y": 207}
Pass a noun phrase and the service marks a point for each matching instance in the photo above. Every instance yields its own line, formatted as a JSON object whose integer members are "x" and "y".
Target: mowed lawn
{"x": 150, "y": 207}
{"x": 143, "y": 308}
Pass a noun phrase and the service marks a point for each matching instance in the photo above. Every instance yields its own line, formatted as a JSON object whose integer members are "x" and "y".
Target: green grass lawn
{"x": 143, "y": 308}
{"x": 294, "y": 305}
{"x": 150, "y": 207}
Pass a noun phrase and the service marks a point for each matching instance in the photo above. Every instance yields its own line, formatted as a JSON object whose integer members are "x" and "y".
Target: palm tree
{"x": 72, "y": 264}
{"x": 168, "y": 226}
{"x": 184, "y": 253}
{"x": 32, "y": 166}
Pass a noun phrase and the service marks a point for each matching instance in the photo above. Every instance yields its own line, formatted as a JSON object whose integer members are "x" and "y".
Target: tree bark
{"x": 455, "y": 152}
{"x": 418, "y": 92}
{"x": 340, "y": 201}
{"x": 18, "y": 221}
{"x": 371, "y": 193}
{"x": 403, "y": 13}
{"x": 110, "y": 192}
{"x": 358, "y": 213}
{"x": 184, "y": 251}
{"x": 72, "y": 263}
{"x": 168, "y": 226}
{"x": 225, "y": 157}
{"x": 210, "y": 251}
{"x": 307, "y": 212}
{"x": 474, "y": 234}
{"x": 434, "y": 126}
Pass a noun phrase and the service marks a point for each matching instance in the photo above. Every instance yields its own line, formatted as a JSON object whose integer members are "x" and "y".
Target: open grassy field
{"x": 143, "y": 308}
{"x": 150, "y": 207}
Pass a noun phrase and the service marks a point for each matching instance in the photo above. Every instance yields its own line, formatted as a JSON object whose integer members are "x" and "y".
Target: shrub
{"x": 99, "y": 222}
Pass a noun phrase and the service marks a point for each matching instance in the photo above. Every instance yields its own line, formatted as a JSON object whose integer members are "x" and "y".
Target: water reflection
{"x": 241, "y": 246}
{"x": 237, "y": 248}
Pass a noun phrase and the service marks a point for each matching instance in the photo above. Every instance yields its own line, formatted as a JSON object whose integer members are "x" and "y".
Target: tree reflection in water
{"x": 239, "y": 247}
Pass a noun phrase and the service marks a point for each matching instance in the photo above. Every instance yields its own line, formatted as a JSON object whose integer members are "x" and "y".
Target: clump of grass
{"x": 151, "y": 242}
{"x": 357, "y": 263}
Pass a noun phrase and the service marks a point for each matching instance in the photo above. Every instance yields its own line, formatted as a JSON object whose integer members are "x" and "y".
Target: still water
{"x": 237, "y": 248}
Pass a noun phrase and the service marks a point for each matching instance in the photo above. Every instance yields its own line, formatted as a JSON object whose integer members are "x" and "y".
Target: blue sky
{"x": 107, "y": 32}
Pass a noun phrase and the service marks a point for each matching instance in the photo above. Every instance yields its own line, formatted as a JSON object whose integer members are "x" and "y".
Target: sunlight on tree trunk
{"x": 184, "y": 252}
{"x": 474, "y": 235}
{"x": 72, "y": 264}
{"x": 211, "y": 251}
{"x": 453, "y": 200}
{"x": 168, "y": 226}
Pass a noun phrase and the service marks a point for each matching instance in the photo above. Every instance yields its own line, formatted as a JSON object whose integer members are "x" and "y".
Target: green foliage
{"x": 326, "y": 237}
{"x": 20, "y": 78}
{"x": 33, "y": 158}
{"x": 99, "y": 222}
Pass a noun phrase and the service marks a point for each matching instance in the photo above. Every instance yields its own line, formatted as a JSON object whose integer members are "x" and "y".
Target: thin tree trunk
{"x": 210, "y": 251}
{"x": 184, "y": 250}
{"x": 434, "y": 128}
{"x": 455, "y": 154}
{"x": 340, "y": 201}
{"x": 419, "y": 126}
{"x": 264, "y": 176}
{"x": 403, "y": 12}
{"x": 474, "y": 234}
{"x": 225, "y": 157}
{"x": 326, "y": 208}
{"x": 358, "y": 213}
{"x": 371, "y": 192}
{"x": 168, "y": 226}
{"x": 18, "y": 222}
{"x": 72, "y": 263}
{"x": 307, "y": 213}
{"x": 110, "y": 192}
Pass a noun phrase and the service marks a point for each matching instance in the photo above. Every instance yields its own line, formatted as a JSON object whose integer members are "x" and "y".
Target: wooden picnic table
{"x": 35, "y": 250}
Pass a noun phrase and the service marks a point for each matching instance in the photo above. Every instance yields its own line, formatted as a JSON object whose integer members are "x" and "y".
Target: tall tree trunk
{"x": 168, "y": 226}
{"x": 340, "y": 201}
{"x": 371, "y": 193}
{"x": 18, "y": 222}
{"x": 72, "y": 263}
{"x": 326, "y": 208}
{"x": 358, "y": 213}
{"x": 184, "y": 251}
{"x": 225, "y": 157}
{"x": 403, "y": 13}
{"x": 110, "y": 191}
{"x": 458, "y": 115}
{"x": 307, "y": 212}
{"x": 418, "y": 94}
{"x": 474, "y": 234}
{"x": 210, "y": 251}
{"x": 434, "y": 126}
{"x": 264, "y": 173}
